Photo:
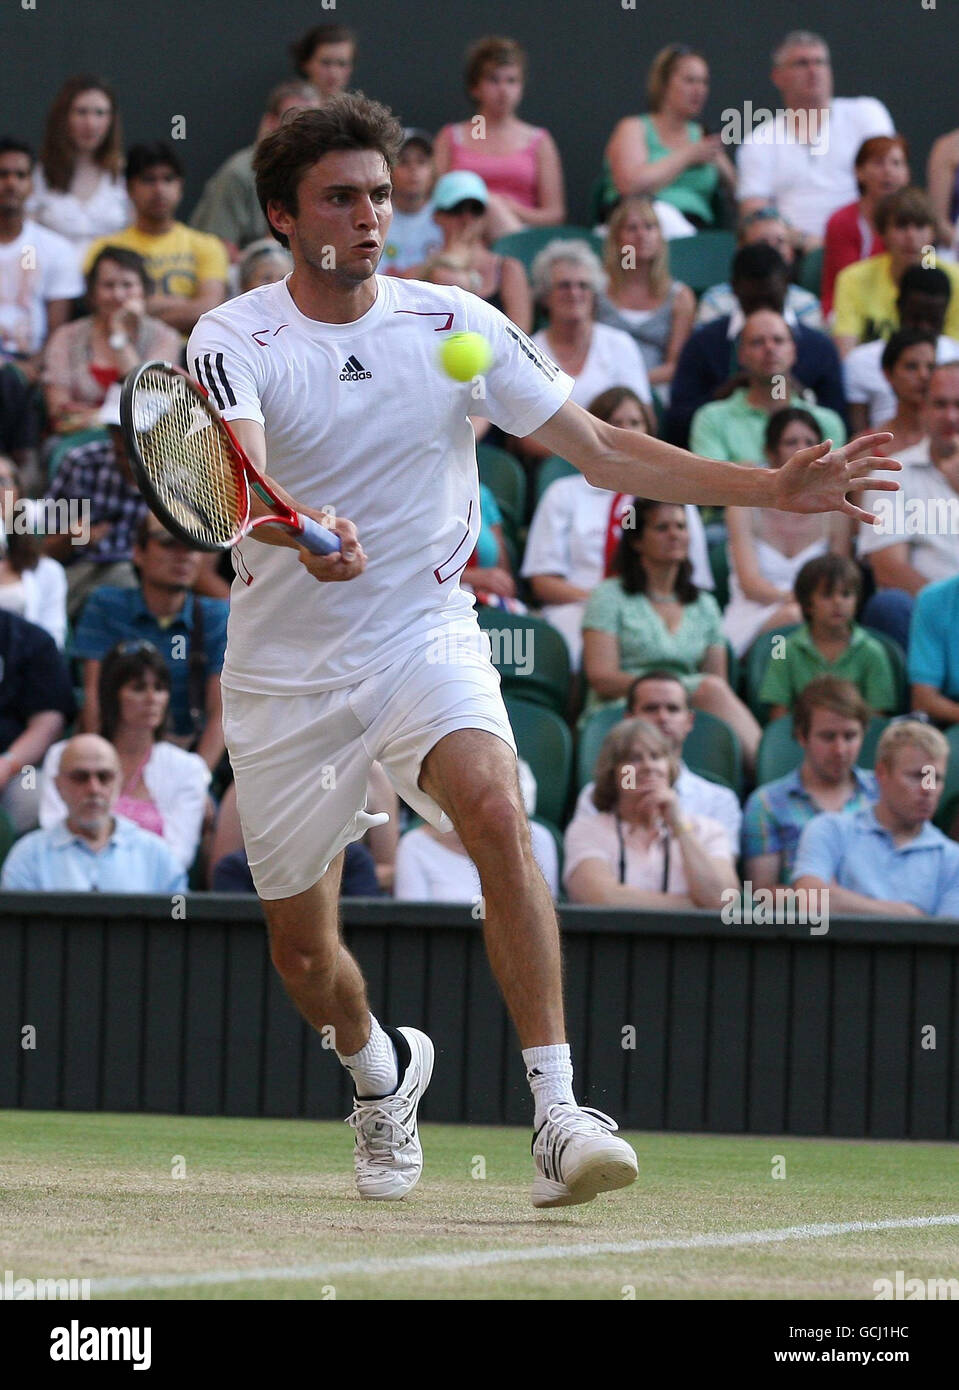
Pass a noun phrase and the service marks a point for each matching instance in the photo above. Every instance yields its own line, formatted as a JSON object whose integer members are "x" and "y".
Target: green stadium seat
{"x": 779, "y": 752}
{"x": 507, "y": 482}
{"x": 899, "y": 670}
{"x": 550, "y": 471}
{"x": 702, "y": 260}
{"x": 755, "y": 661}
{"x": 712, "y": 750}
{"x": 61, "y": 446}
{"x": 531, "y": 657}
{"x": 527, "y": 244}
{"x": 7, "y": 835}
{"x": 949, "y": 801}
{"x": 544, "y": 740}
{"x": 593, "y": 728}
{"x": 810, "y": 272}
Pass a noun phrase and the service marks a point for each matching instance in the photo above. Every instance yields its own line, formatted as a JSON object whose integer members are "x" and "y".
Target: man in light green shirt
{"x": 228, "y": 206}
{"x": 734, "y": 430}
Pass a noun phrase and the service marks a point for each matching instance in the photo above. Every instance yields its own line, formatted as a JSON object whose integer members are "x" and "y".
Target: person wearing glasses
{"x": 163, "y": 788}
{"x": 809, "y": 178}
{"x": 643, "y": 849}
{"x": 91, "y": 849}
{"x": 188, "y": 630}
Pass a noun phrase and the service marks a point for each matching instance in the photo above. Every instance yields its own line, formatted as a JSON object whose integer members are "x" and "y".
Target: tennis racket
{"x": 191, "y": 470}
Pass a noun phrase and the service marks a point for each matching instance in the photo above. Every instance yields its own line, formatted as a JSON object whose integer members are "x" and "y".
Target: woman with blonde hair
{"x": 643, "y": 849}
{"x": 641, "y": 296}
{"x": 78, "y": 186}
{"x": 666, "y": 152}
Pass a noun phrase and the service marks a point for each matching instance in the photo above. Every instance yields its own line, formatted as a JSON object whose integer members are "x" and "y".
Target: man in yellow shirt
{"x": 188, "y": 269}
{"x": 866, "y": 291}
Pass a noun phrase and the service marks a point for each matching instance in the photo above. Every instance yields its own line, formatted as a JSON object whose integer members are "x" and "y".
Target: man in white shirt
{"x": 802, "y": 160}
{"x": 916, "y": 536}
{"x": 39, "y": 274}
{"x": 331, "y": 382}
{"x": 661, "y": 698}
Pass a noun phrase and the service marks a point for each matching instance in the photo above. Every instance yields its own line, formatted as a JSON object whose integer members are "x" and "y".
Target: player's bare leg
{"x": 472, "y": 775}
{"x": 391, "y": 1068}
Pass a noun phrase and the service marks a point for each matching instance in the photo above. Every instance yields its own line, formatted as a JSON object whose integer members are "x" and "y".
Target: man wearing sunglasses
{"x": 92, "y": 850}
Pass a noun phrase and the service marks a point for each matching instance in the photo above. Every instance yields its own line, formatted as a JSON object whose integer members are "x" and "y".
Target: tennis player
{"x": 330, "y": 380}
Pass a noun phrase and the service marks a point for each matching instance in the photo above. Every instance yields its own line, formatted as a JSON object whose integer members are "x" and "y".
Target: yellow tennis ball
{"x": 465, "y": 355}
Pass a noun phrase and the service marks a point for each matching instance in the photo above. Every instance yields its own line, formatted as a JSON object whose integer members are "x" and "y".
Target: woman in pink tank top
{"x": 519, "y": 163}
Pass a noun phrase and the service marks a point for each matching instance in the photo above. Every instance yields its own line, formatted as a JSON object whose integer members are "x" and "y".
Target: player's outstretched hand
{"x": 818, "y": 479}
{"x": 347, "y": 563}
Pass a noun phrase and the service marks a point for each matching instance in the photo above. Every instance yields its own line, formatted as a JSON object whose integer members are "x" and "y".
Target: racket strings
{"x": 188, "y": 459}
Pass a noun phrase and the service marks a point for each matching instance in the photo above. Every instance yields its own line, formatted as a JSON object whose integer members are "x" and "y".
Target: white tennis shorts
{"x": 302, "y": 762}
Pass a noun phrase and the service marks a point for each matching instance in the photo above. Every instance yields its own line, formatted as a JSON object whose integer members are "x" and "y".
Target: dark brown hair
{"x": 121, "y": 256}
{"x": 831, "y": 572}
{"x": 907, "y": 207}
{"x": 129, "y": 661}
{"x": 57, "y": 157}
{"x": 829, "y": 692}
{"x": 628, "y": 563}
{"x": 303, "y": 48}
{"x": 348, "y": 121}
{"x": 494, "y": 51}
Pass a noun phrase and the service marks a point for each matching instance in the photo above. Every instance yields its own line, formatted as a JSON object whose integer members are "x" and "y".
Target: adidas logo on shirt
{"x": 353, "y": 370}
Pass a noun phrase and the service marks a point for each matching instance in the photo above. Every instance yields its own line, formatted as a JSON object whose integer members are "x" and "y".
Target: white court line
{"x": 528, "y": 1254}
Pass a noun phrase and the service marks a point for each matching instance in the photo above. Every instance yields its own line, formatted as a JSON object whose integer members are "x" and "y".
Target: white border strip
{"x": 530, "y": 1254}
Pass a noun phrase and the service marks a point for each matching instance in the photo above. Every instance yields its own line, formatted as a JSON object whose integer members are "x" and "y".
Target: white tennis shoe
{"x": 577, "y": 1156}
{"x": 388, "y": 1156}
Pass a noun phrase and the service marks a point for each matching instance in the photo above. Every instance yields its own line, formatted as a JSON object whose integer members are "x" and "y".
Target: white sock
{"x": 374, "y": 1068}
{"x": 549, "y": 1071}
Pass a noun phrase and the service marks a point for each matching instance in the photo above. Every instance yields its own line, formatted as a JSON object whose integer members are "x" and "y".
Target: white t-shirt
{"x": 567, "y": 535}
{"x": 81, "y": 220}
{"x": 866, "y": 384}
{"x": 923, "y": 514}
{"x": 807, "y": 183}
{"x": 360, "y": 417}
{"x": 413, "y": 236}
{"x": 614, "y": 359}
{"x": 36, "y": 267}
{"x": 429, "y": 871}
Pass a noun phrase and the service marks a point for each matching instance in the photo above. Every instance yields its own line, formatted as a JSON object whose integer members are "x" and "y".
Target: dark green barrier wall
{"x": 737, "y": 1028}
{"x": 213, "y": 63}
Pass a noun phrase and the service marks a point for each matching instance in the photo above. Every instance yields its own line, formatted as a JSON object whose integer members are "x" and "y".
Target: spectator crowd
{"x": 711, "y": 697}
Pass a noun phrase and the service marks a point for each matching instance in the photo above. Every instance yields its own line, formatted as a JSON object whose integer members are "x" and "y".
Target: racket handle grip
{"x": 316, "y": 537}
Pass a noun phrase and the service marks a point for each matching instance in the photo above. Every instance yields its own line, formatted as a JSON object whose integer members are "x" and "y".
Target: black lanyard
{"x": 622, "y": 857}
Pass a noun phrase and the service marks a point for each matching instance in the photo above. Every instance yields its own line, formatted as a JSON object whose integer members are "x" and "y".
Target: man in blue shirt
{"x": 92, "y": 850}
{"x": 887, "y": 860}
{"x": 934, "y": 651}
{"x": 829, "y": 721}
{"x": 164, "y": 611}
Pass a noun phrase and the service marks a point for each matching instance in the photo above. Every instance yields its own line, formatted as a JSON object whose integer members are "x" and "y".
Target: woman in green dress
{"x": 651, "y": 617}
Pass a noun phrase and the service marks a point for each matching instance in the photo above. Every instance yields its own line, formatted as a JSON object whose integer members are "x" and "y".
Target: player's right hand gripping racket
{"x": 191, "y": 470}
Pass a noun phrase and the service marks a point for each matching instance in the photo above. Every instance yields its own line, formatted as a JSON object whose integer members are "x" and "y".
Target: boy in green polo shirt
{"x": 829, "y": 642}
